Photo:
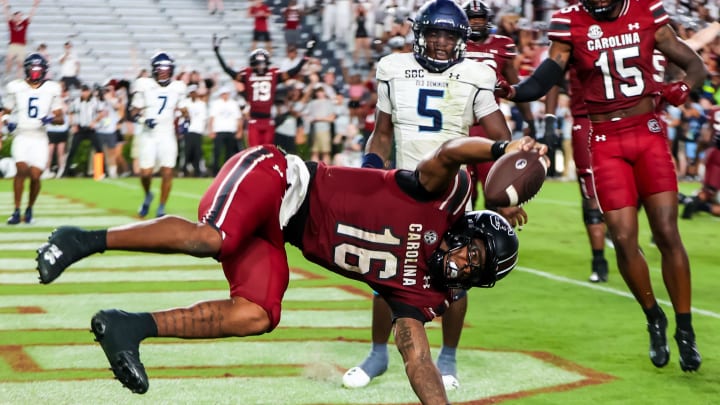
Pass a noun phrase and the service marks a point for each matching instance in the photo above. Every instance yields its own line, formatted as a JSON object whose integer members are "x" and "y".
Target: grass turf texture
{"x": 544, "y": 335}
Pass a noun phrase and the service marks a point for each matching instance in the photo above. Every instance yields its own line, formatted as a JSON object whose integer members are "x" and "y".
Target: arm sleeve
{"x": 540, "y": 82}
{"x": 484, "y": 104}
{"x": 233, "y": 74}
{"x": 297, "y": 68}
{"x": 383, "y": 97}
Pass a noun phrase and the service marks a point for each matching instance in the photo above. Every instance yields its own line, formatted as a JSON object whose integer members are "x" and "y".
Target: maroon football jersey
{"x": 496, "y": 51}
{"x": 260, "y": 89}
{"x": 614, "y": 59}
{"x": 377, "y": 226}
{"x": 577, "y": 98}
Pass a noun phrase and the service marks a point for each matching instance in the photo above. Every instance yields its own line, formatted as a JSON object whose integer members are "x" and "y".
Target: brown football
{"x": 515, "y": 178}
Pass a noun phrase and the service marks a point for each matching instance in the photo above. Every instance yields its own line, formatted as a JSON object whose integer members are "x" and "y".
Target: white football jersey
{"x": 158, "y": 102}
{"x": 430, "y": 108}
{"x": 30, "y": 105}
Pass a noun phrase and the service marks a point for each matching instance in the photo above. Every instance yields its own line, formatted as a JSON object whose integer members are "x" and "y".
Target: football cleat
{"x": 356, "y": 377}
{"x": 122, "y": 353}
{"x": 28, "y": 215}
{"x": 450, "y": 382}
{"x": 690, "y": 208}
{"x": 599, "y": 270}
{"x": 62, "y": 249}
{"x": 145, "y": 207}
{"x": 659, "y": 351}
{"x": 690, "y": 358}
{"x": 14, "y": 219}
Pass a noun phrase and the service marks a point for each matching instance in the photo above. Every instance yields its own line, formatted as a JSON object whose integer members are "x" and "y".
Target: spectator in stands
{"x": 216, "y": 6}
{"x": 225, "y": 126}
{"x": 319, "y": 114}
{"x": 288, "y": 117}
{"x": 197, "y": 108}
{"x": 85, "y": 118}
{"x": 17, "y": 26}
{"x": 69, "y": 67}
{"x": 110, "y": 112}
{"x": 362, "y": 36}
{"x": 292, "y": 15}
{"x": 260, "y": 13}
{"x": 58, "y": 137}
{"x": 42, "y": 49}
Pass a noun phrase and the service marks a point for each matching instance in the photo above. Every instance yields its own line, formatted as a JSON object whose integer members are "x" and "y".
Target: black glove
{"x": 217, "y": 41}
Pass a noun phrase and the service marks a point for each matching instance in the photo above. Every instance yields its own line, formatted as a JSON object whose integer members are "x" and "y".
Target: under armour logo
{"x": 600, "y": 138}
{"x": 426, "y": 282}
{"x": 52, "y": 254}
{"x": 634, "y": 26}
{"x": 277, "y": 169}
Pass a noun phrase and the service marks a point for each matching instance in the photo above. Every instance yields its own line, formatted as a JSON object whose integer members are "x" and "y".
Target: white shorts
{"x": 31, "y": 149}
{"x": 156, "y": 151}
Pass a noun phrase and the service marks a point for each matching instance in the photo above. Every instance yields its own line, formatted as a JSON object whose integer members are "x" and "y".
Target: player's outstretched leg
{"x": 119, "y": 334}
{"x": 659, "y": 351}
{"x": 689, "y": 355}
{"x": 65, "y": 246}
{"x": 374, "y": 365}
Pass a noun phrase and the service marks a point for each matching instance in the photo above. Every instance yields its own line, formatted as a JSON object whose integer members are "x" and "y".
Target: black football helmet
{"x": 501, "y": 251}
{"x": 260, "y": 60}
{"x": 163, "y": 68}
{"x": 440, "y": 15}
{"x": 601, "y": 13}
{"x": 36, "y": 67}
{"x": 477, "y": 9}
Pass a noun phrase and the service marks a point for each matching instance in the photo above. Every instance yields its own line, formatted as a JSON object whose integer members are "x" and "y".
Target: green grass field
{"x": 544, "y": 335}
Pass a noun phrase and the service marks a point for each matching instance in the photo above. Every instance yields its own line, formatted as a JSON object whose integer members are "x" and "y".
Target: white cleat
{"x": 356, "y": 378}
{"x": 450, "y": 382}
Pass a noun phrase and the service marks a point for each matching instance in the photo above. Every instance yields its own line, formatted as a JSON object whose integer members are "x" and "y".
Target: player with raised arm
{"x": 611, "y": 43}
{"x": 425, "y": 98}
{"x": 414, "y": 248}
{"x": 260, "y": 81}
{"x": 155, "y": 102}
{"x": 30, "y": 105}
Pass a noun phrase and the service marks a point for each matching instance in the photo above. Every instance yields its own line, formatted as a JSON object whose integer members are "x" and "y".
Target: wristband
{"x": 373, "y": 161}
{"x": 498, "y": 149}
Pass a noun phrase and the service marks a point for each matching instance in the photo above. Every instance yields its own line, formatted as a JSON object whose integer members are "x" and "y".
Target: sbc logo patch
{"x": 654, "y": 126}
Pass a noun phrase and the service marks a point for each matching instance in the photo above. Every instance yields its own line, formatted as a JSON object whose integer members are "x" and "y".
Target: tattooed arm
{"x": 424, "y": 377}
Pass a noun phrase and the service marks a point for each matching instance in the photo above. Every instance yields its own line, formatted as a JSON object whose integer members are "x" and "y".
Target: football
{"x": 515, "y": 178}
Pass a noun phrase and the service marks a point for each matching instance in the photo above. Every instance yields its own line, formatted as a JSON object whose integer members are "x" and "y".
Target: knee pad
{"x": 591, "y": 216}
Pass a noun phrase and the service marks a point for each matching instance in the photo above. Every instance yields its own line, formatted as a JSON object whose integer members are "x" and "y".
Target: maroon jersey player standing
{"x": 708, "y": 199}
{"x": 498, "y": 52}
{"x": 611, "y": 44}
{"x": 413, "y": 248}
{"x": 260, "y": 81}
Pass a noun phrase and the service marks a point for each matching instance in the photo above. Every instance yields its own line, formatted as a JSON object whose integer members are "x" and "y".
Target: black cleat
{"x": 599, "y": 270}
{"x": 690, "y": 208}
{"x": 62, "y": 249}
{"x": 659, "y": 350}
{"x": 689, "y": 355}
{"x": 121, "y": 351}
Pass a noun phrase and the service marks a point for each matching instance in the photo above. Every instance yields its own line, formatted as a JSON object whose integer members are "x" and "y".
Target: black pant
{"x": 193, "y": 151}
{"x": 227, "y": 142}
{"x": 83, "y": 133}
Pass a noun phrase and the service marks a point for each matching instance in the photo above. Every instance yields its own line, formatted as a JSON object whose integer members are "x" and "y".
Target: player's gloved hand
{"x": 503, "y": 89}
{"x": 11, "y": 126}
{"x": 47, "y": 120}
{"x": 215, "y": 42}
{"x": 530, "y": 129}
{"x": 310, "y": 44}
{"x": 150, "y": 123}
{"x": 676, "y": 93}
